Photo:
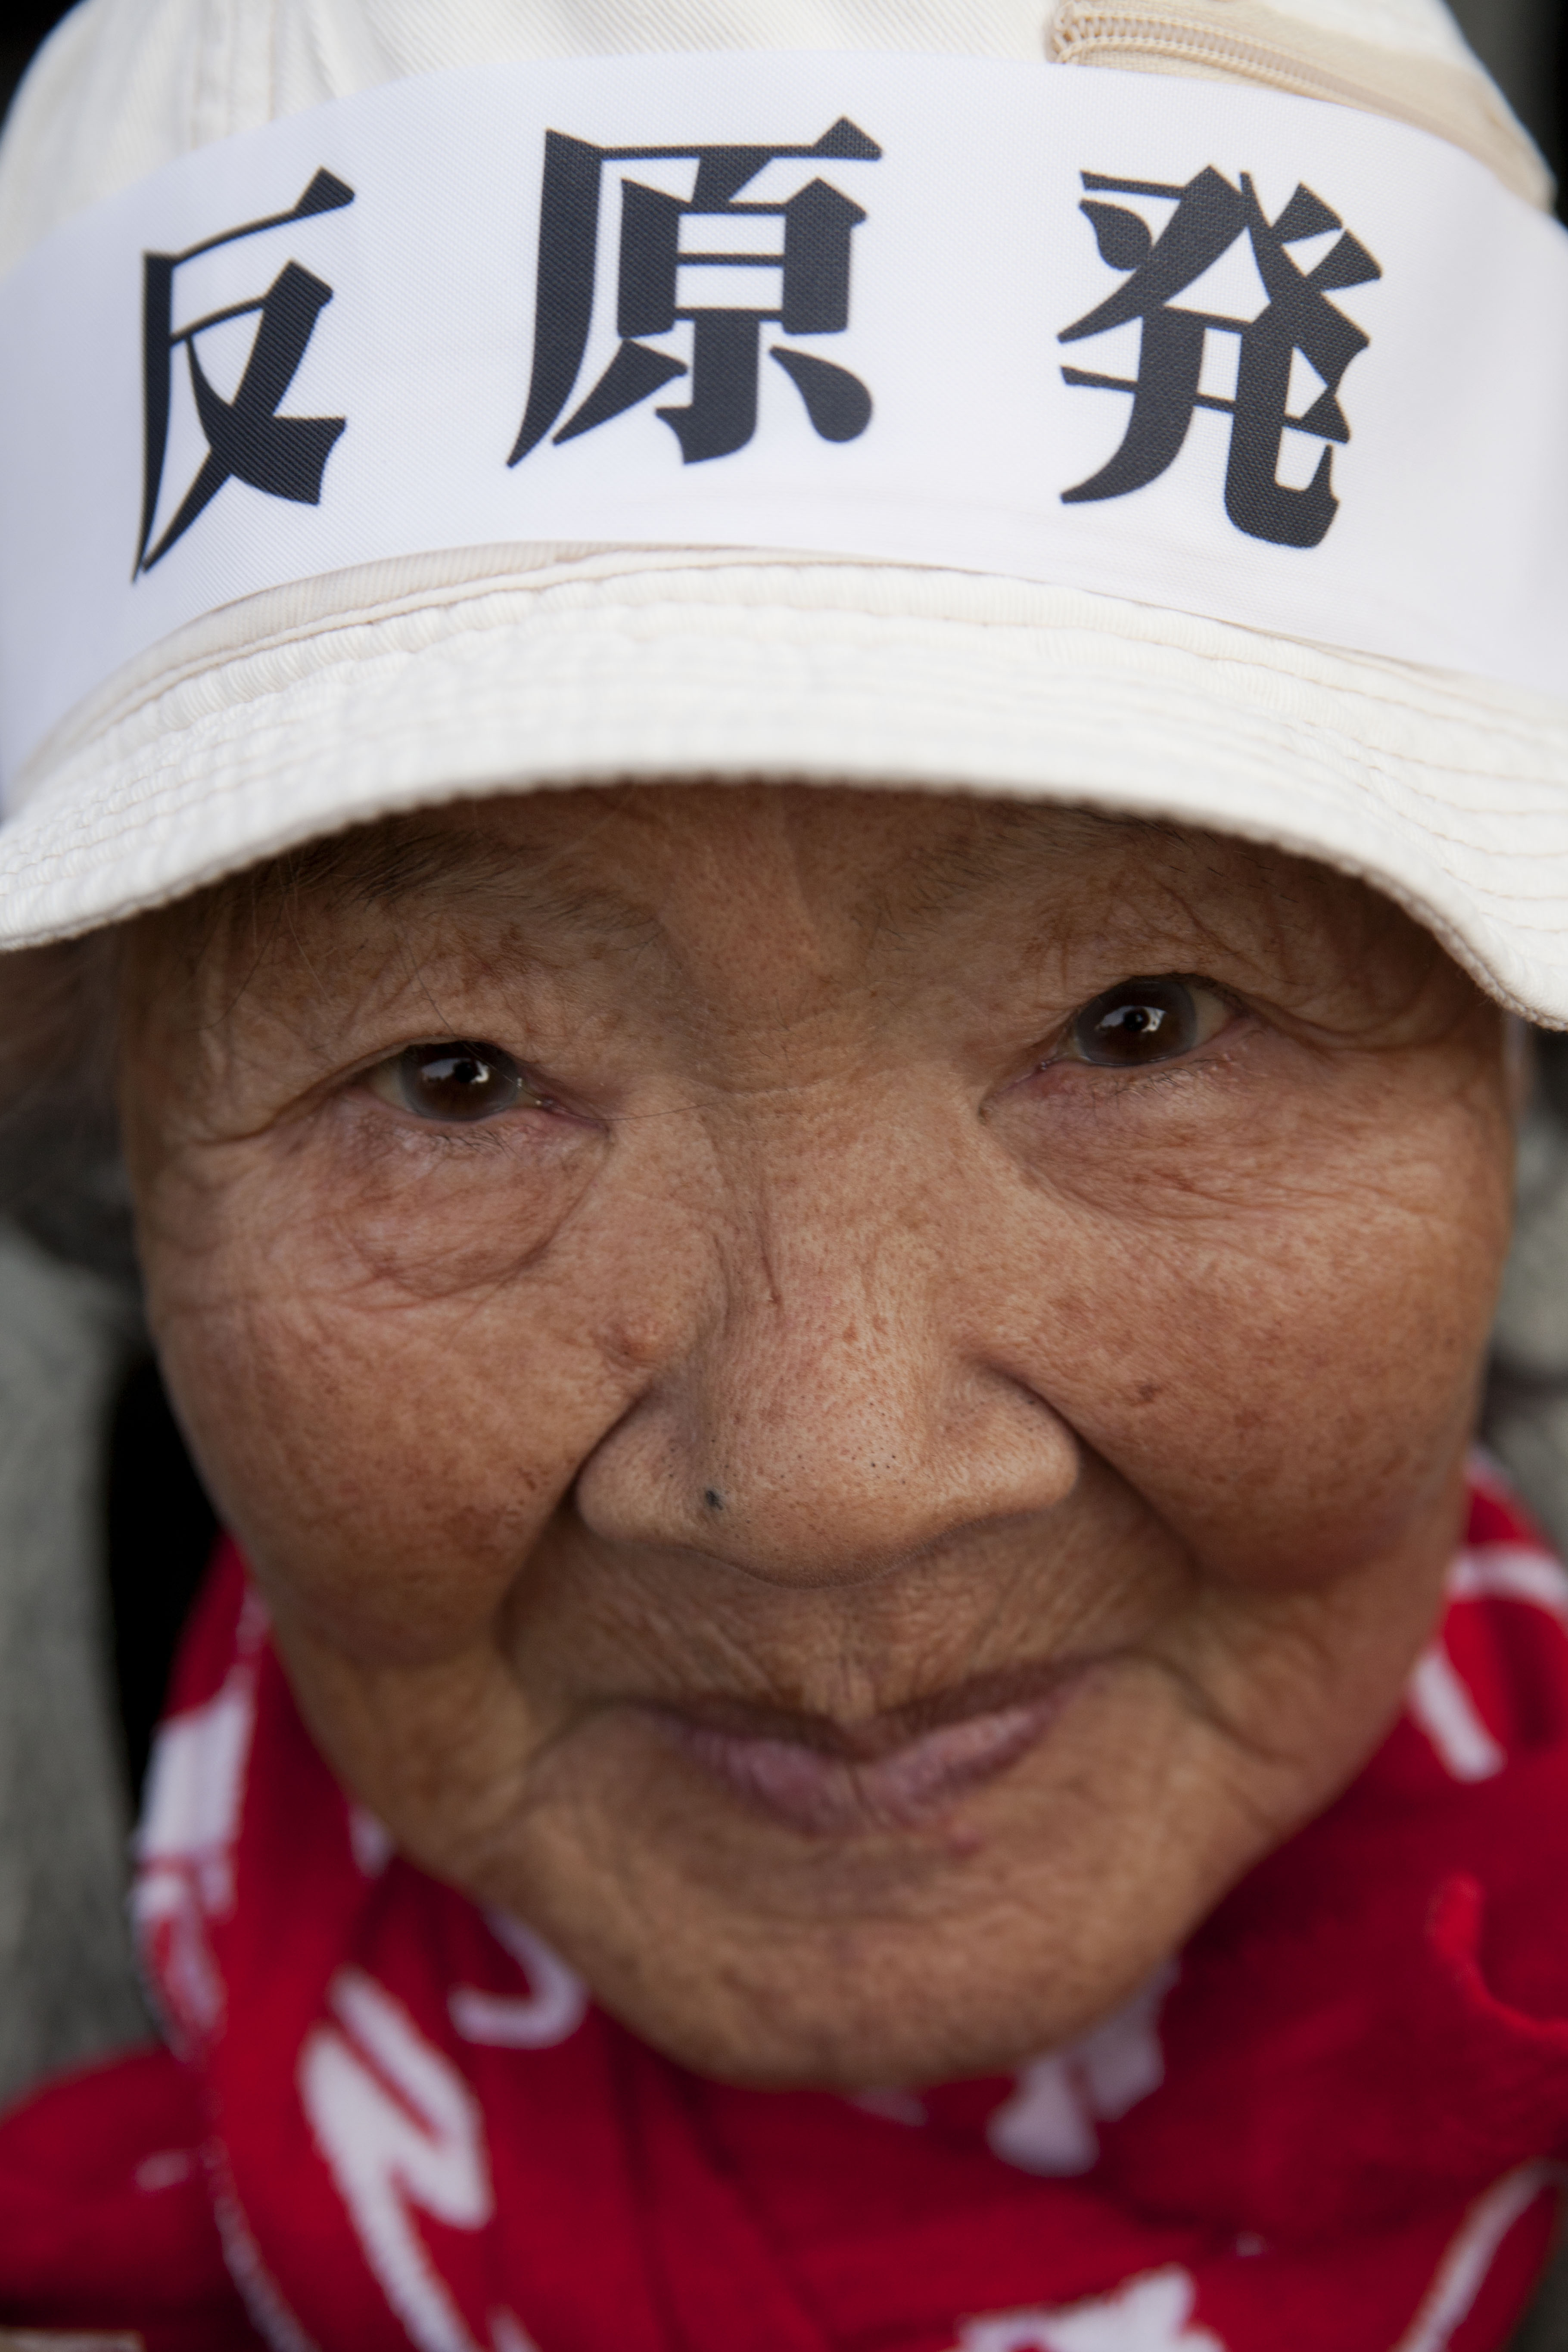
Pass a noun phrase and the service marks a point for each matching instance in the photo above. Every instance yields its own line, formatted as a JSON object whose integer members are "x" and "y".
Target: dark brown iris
{"x": 1137, "y": 1023}
{"x": 462, "y": 1081}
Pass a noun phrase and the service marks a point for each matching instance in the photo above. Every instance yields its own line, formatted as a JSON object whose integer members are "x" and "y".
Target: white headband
{"x": 1225, "y": 351}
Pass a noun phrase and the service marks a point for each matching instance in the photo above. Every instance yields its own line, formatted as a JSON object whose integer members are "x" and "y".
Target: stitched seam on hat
{"x": 1511, "y": 727}
{"x": 1311, "y": 742}
{"x": 237, "y": 727}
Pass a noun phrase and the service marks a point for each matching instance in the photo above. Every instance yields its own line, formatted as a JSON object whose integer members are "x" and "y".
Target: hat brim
{"x": 350, "y": 698}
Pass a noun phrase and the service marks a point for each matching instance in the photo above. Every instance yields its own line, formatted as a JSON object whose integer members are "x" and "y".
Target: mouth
{"x": 899, "y": 1772}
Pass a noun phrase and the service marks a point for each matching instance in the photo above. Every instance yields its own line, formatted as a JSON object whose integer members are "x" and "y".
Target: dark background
{"x": 160, "y": 1525}
{"x": 24, "y": 29}
{"x": 1525, "y": 43}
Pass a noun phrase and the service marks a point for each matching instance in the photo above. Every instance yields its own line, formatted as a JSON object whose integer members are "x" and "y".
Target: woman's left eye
{"x": 454, "y": 1082}
{"x": 1141, "y": 1023}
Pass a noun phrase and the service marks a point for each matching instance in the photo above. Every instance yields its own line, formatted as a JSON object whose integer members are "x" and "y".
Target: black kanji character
{"x": 1210, "y": 216}
{"x": 247, "y": 439}
{"x": 809, "y": 259}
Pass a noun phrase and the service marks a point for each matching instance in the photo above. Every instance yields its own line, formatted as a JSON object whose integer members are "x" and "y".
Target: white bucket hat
{"x": 269, "y": 714}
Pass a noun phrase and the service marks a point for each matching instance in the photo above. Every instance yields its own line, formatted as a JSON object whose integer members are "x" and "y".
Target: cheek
{"x": 389, "y": 1383}
{"x": 1279, "y": 1344}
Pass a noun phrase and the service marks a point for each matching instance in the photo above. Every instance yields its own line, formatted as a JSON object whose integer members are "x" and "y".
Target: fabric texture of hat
{"x": 390, "y": 686}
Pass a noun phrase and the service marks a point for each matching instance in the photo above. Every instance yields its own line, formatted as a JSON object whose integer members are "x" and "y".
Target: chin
{"x": 852, "y": 2005}
{"x": 891, "y": 2023}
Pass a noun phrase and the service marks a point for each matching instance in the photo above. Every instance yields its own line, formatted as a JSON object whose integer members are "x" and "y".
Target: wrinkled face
{"x": 848, "y": 1402}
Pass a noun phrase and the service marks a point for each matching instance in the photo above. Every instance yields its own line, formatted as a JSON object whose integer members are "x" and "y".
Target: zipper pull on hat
{"x": 1432, "y": 83}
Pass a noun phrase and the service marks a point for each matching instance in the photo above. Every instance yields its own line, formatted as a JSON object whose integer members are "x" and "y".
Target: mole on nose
{"x": 713, "y": 1498}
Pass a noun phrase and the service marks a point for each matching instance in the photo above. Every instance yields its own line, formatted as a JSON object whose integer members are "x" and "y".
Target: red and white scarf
{"x": 385, "y": 2119}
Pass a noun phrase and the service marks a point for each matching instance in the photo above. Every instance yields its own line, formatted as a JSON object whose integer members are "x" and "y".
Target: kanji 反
{"x": 729, "y": 266}
{"x": 1297, "y": 319}
{"x": 247, "y": 440}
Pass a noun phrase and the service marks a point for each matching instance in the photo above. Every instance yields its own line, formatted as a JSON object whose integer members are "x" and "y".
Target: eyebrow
{"x": 945, "y": 877}
{"x": 393, "y": 862}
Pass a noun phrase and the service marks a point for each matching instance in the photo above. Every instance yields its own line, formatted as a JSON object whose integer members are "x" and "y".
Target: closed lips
{"x": 826, "y": 1780}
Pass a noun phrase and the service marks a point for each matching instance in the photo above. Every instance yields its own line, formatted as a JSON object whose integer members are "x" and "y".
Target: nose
{"x": 847, "y": 1405}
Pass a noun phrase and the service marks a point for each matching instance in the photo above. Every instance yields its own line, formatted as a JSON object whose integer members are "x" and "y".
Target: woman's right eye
{"x": 453, "y": 1083}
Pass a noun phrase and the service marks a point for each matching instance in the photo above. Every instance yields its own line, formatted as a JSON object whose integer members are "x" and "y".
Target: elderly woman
{"x": 808, "y": 763}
